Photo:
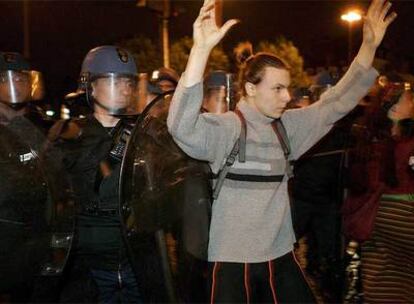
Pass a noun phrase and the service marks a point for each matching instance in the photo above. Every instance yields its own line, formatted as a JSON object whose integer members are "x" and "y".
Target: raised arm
{"x": 344, "y": 96}
{"x": 202, "y": 136}
{"x": 206, "y": 35}
{"x": 376, "y": 22}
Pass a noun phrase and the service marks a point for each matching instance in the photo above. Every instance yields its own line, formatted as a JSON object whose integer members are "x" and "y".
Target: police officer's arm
{"x": 53, "y": 156}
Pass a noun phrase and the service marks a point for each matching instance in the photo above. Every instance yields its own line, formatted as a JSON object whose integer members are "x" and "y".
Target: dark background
{"x": 61, "y": 32}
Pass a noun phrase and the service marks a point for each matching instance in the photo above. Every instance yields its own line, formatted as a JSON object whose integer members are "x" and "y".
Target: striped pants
{"x": 277, "y": 281}
{"x": 388, "y": 257}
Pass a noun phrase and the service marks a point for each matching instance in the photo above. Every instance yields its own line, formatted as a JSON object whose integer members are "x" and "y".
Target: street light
{"x": 163, "y": 9}
{"x": 351, "y": 17}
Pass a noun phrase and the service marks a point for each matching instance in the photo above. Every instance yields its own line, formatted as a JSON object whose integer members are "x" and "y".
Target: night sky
{"x": 62, "y": 32}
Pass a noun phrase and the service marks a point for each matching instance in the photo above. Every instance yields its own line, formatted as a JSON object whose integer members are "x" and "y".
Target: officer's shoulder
{"x": 130, "y": 119}
{"x": 67, "y": 129}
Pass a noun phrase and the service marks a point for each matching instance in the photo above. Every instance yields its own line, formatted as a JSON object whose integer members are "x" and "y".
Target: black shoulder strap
{"x": 120, "y": 135}
{"x": 281, "y": 133}
{"x": 239, "y": 148}
{"x": 242, "y": 136}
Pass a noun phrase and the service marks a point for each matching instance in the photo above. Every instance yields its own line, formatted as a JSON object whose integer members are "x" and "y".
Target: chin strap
{"x": 111, "y": 111}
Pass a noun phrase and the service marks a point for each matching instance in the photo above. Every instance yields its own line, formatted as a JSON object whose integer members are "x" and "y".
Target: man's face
{"x": 271, "y": 95}
{"x": 404, "y": 108}
{"x": 15, "y": 87}
{"x": 114, "y": 92}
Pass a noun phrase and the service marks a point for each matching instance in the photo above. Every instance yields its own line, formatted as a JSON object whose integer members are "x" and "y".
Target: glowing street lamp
{"x": 351, "y": 17}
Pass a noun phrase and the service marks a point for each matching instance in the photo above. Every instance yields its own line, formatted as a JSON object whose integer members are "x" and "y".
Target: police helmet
{"x": 18, "y": 83}
{"x": 109, "y": 79}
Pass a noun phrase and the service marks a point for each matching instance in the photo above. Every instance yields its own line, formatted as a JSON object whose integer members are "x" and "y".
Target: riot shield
{"x": 165, "y": 210}
{"x": 36, "y": 211}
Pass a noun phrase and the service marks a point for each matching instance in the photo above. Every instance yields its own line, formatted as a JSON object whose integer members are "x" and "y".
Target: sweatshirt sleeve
{"x": 307, "y": 126}
{"x": 204, "y": 136}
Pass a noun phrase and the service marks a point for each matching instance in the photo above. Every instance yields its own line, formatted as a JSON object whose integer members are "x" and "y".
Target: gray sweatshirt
{"x": 251, "y": 221}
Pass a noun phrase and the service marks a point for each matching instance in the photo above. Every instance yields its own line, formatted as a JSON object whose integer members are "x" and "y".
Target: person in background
{"x": 26, "y": 202}
{"x": 20, "y": 87}
{"x": 215, "y": 93}
{"x": 166, "y": 79}
{"x": 387, "y": 274}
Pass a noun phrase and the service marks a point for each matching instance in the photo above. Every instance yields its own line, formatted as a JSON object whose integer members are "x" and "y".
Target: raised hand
{"x": 376, "y": 22}
{"x": 206, "y": 33}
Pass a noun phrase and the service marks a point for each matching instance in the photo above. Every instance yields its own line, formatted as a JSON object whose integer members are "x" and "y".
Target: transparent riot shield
{"x": 165, "y": 210}
{"x": 36, "y": 211}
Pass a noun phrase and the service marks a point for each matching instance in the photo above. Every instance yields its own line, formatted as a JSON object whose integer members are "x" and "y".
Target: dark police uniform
{"x": 93, "y": 164}
{"x": 25, "y": 202}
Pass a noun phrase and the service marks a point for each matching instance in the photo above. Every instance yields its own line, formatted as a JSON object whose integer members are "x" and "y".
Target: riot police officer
{"x": 165, "y": 79}
{"x": 27, "y": 200}
{"x": 19, "y": 87}
{"x": 218, "y": 92}
{"x": 92, "y": 149}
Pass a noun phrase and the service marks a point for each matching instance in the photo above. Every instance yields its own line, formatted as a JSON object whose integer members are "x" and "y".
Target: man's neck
{"x": 105, "y": 119}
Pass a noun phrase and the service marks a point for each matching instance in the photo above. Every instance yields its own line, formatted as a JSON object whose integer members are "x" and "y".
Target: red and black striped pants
{"x": 278, "y": 281}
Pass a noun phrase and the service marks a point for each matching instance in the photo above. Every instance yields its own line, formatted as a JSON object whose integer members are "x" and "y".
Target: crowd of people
{"x": 202, "y": 188}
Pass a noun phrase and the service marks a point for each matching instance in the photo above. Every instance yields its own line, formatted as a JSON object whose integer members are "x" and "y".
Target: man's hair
{"x": 252, "y": 67}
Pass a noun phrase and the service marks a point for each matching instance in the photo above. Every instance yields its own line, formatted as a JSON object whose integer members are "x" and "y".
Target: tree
{"x": 180, "y": 50}
{"x": 145, "y": 52}
{"x": 287, "y": 51}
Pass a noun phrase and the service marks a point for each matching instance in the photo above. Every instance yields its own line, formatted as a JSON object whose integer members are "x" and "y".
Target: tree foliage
{"x": 287, "y": 51}
{"x": 146, "y": 53}
{"x": 148, "y": 56}
{"x": 180, "y": 50}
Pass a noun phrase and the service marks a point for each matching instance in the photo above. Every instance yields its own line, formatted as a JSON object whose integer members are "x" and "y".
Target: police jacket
{"x": 318, "y": 174}
{"x": 84, "y": 146}
{"x": 24, "y": 198}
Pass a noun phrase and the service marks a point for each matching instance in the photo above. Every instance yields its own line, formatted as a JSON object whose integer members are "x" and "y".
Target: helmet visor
{"x": 215, "y": 100}
{"x": 116, "y": 93}
{"x": 20, "y": 86}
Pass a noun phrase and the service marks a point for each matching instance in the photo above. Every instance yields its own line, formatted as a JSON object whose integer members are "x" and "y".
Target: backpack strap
{"x": 281, "y": 133}
{"x": 239, "y": 149}
{"x": 242, "y": 136}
